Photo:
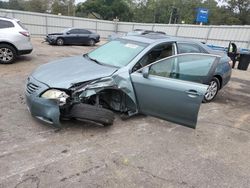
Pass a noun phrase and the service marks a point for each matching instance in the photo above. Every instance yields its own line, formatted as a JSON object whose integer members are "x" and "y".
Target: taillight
{"x": 25, "y": 33}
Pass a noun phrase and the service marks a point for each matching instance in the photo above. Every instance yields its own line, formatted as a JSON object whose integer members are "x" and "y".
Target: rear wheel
{"x": 92, "y": 113}
{"x": 8, "y": 54}
{"x": 212, "y": 90}
{"x": 60, "y": 42}
{"x": 91, "y": 42}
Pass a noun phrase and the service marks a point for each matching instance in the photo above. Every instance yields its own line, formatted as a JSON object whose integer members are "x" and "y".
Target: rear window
{"x": 21, "y": 25}
{"x": 5, "y": 24}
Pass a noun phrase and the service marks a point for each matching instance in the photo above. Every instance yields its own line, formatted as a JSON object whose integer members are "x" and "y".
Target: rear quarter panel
{"x": 12, "y": 36}
{"x": 224, "y": 70}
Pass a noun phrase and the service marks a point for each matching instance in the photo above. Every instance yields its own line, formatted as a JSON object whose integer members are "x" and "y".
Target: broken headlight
{"x": 61, "y": 96}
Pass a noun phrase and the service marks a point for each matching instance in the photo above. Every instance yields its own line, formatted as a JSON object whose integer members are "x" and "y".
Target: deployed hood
{"x": 66, "y": 72}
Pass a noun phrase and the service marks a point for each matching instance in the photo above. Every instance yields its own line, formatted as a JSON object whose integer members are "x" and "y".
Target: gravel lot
{"x": 139, "y": 152}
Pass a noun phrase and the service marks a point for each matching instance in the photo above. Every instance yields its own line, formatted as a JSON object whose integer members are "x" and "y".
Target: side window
{"x": 163, "y": 68}
{"x": 189, "y": 48}
{"x": 74, "y": 31}
{"x": 5, "y": 24}
{"x": 189, "y": 67}
{"x": 159, "y": 52}
{"x": 83, "y": 31}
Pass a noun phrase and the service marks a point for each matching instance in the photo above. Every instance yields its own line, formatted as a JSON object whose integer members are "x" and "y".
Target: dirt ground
{"x": 139, "y": 152}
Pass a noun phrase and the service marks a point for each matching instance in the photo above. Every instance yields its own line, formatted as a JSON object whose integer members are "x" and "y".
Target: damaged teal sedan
{"x": 147, "y": 74}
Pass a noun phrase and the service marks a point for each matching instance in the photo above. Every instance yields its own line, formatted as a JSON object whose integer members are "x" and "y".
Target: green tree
{"x": 36, "y": 5}
{"x": 16, "y": 4}
{"x": 235, "y": 12}
{"x": 4, "y": 4}
{"x": 106, "y": 9}
{"x": 240, "y": 9}
{"x": 59, "y": 6}
{"x": 64, "y": 7}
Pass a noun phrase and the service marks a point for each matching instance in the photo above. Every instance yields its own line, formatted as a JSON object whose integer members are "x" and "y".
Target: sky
{"x": 79, "y": 1}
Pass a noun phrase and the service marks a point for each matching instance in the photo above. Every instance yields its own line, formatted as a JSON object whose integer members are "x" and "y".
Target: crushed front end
{"x": 91, "y": 100}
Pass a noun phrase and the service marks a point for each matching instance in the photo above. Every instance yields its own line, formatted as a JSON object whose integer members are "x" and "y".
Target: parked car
{"x": 144, "y": 32}
{"x": 135, "y": 32}
{"x": 73, "y": 36}
{"x": 14, "y": 40}
{"x": 164, "y": 77}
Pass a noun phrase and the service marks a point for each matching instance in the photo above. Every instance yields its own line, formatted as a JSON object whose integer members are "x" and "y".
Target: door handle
{"x": 193, "y": 93}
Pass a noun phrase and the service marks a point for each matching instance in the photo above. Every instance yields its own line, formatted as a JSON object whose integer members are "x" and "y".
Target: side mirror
{"x": 145, "y": 72}
{"x": 67, "y": 32}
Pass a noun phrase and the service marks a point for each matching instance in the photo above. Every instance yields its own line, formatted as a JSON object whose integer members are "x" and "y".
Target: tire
{"x": 8, "y": 54}
{"x": 92, "y": 113}
{"x": 213, "y": 88}
{"x": 91, "y": 42}
{"x": 124, "y": 117}
{"x": 60, "y": 42}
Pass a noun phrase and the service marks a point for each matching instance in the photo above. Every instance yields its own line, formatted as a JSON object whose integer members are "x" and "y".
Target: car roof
{"x": 155, "y": 38}
{"x": 8, "y": 18}
{"x": 160, "y": 38}
{"x": 77, "y": 28}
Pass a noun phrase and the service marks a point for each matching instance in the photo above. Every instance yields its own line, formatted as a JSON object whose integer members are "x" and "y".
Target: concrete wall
{"x": 41, "y": 24}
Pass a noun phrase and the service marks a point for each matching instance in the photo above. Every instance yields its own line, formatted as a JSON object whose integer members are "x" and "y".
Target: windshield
{"x": 118, "y": 52}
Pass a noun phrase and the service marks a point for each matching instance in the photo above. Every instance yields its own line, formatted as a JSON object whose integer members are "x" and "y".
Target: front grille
{"x": 31, "y": 88}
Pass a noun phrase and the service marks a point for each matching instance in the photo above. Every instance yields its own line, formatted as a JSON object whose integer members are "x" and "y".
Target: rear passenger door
{"x": 84, "y": 36}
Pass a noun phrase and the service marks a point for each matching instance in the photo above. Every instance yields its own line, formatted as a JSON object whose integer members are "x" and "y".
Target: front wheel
{"x": 212, "y": 90}
{"x": 60, "y": 42}
{"x": 7, "y": 54}
{"x": 91, "y": 42}
{"x": 92, "y": 113}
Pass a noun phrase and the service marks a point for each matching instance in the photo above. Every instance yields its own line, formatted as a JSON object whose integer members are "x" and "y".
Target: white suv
{"x": 14, "y": 40}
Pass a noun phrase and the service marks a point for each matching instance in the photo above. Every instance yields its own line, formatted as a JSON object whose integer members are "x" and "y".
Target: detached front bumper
{"x": 50, "y": 40}
{"x": 43, "y": 109}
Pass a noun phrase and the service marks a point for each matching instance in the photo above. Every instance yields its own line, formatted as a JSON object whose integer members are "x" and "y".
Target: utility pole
{"x": 173, "y": 16}
{"x": 71, "y": 7}
{"x": 170, "y": 19}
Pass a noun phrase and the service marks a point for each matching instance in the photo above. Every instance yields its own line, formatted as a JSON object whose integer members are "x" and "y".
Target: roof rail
{"x": 7, "y": 17}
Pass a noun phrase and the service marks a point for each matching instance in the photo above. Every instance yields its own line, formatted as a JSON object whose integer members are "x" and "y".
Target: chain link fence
{"x": 41, "y": 24}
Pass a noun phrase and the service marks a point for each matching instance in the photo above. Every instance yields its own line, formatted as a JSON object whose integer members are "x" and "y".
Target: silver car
{"x": 14, "y": 40}
{"x": 151, "y": 74}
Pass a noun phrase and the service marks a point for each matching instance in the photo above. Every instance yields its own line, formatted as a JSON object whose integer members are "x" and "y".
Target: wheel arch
{"x": 92, "y": 38}
{"x": 113, "y": 95}
{"x": 12, "y": 45}
{"x": 219, "y": 77}
{"x": 60, "y": 37}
